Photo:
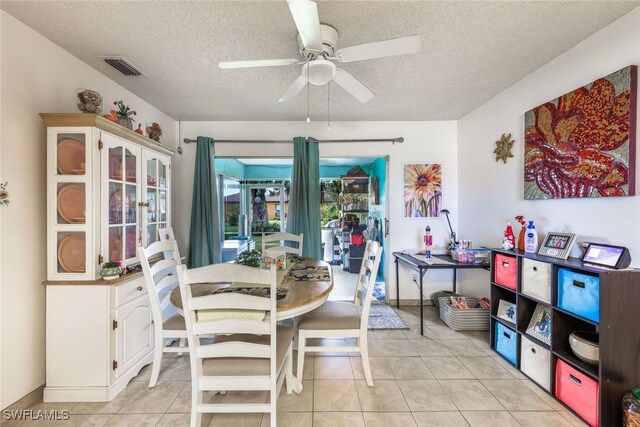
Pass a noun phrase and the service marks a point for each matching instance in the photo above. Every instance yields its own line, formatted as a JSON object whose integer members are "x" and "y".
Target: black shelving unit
{"x": 354, "y": 209}
{"x": 619, "y": 298}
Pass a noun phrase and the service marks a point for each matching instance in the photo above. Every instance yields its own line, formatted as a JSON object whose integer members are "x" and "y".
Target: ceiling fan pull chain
{"x": 328, "y": 105}
{"x": 308, "y": 103}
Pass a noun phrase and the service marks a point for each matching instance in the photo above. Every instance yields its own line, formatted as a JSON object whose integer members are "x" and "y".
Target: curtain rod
{"x": 269, "y": 141}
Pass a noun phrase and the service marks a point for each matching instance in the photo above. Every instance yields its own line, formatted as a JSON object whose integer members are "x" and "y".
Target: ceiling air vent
{"x": 123, "y": 65}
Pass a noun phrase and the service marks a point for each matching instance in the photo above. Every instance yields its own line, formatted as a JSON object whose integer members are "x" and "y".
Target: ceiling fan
{"x": 317, "y": 43}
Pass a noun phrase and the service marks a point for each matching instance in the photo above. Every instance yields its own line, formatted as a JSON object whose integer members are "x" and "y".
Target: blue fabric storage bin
{"x": 506, "y": 342}
{"x": 579, "y": 294}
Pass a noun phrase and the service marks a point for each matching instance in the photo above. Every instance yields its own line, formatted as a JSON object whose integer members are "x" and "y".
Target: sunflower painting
{"x": 583, "y": 143}
{"x": 422, "y": 189}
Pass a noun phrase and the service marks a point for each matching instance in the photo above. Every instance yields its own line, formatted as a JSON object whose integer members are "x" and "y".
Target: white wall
{"x": 424, "y": 142}
{"x": 37, "y": 76}
{"x": 491, "y": 194}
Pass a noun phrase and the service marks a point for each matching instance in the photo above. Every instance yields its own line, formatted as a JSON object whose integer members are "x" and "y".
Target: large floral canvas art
{"x": 422, "y": 189}
{"x": 583, "y": 143}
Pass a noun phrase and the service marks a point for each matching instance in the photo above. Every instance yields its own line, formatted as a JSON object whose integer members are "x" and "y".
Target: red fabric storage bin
{"x": 504, "y": 269}
{"x": 578, "y": 392}
{"x": 357, "y": 239}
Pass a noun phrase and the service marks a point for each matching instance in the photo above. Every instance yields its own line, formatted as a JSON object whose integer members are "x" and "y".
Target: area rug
{"x": 378, "y": 292}
{"x": 382, "y": 316}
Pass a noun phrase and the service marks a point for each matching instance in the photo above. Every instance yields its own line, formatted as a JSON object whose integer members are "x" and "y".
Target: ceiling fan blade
{"x": 353, "y": 86}
{"x": 293, "y": 90}
{"x": 393, "y": 47}
{"x": 305, "y": 15}
{"x": 225, "y": 65}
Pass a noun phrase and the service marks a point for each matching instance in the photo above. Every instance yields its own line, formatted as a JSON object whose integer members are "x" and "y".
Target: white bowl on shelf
{"x": 586, "y": 346}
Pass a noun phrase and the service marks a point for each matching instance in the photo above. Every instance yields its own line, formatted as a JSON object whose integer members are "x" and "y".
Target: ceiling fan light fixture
{"x": 319, "y": 71}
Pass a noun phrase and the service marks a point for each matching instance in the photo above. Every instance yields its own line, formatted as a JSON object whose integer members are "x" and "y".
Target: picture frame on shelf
{"x": 540, "y": 323}
{"x": 557, "y": 245}
{"x": 507, "y": 311}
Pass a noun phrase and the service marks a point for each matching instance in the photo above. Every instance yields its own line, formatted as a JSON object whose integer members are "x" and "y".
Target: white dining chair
{"x": 344, "y": 319}
{"x": 282, "y": 249}
{"x": 166, "y": 234}
{"x": 245, "y": 353}
{"x": 160, "y": 279}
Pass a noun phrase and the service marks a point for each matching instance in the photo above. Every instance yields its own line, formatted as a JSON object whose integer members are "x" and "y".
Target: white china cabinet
{"x": 108, "y": 191}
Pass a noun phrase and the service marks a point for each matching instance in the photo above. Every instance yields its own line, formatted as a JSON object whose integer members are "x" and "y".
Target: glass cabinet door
{"x": 156, "y": 190}
{"x": 68, "y": 194}
{"x": 121, "y": 162}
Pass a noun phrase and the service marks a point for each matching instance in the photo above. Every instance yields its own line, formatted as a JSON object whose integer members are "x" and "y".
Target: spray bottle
{"x": 428, "y": 241}
{"x": 531, "y": 239}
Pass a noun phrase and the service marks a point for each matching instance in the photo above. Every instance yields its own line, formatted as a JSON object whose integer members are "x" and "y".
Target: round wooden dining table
{"x": 307, "y": 282}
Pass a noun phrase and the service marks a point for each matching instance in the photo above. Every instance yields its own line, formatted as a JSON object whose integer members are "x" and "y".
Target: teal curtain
{"x": 204, "y": 235}
{"x": 304, "y": 197}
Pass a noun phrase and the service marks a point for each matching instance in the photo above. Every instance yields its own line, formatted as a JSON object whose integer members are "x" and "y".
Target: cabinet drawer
{"x": 579, "y": 294}
{"x": 129, "y": 291}
{"x": 578, "y": 392}
{"x": 535, "y": 362}
{"x": 536, "y": 279}
{"x": 506, "y": 342}
{"x": 505, "y": 268}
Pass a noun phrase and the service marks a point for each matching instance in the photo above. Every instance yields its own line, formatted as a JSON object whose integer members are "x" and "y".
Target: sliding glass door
{"x": 231, "y": 207}
{"x": 266, "y": 209}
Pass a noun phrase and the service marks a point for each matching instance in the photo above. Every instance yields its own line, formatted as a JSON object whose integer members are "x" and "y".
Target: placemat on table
{"x": 310, "y": 273}
{"x": 265, "y": 292}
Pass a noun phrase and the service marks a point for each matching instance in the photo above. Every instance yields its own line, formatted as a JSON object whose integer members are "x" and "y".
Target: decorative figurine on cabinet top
{"x": 124, "y": 115}
{"x": 139, "y": 129}
{"x": 89, "y": 101}
{"x": 111, "y": 116}
{"x": 153, "y": 131}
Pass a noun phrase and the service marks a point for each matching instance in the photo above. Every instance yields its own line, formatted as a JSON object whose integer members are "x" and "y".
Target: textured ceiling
{"x": 470, "y": 51}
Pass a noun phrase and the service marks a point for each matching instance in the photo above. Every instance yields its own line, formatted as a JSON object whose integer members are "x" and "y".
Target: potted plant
{"x": 124, "y": 115}
{"x": 110, "y": 270}
{"x": 252, "y": 258}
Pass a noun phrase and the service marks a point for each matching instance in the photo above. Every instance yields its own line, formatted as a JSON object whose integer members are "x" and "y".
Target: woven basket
{"x": 464, "y": 319}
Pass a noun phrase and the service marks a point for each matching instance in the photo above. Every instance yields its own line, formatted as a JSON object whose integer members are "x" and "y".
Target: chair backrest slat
{"x": 163, "y": 267}
{"x": 234, "y": 349}
{"x": 166, "y": 303}
{"x": 289, "y": 237}
{"x": 227, "y": 273}
{"x": 232, "y": 326}
{"x": 229, "y": 300}
{"x": 165, "y": 283}
{"x": 280, "y": 250}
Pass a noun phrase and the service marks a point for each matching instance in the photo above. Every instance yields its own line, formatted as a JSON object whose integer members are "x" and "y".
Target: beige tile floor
{"x": 344, "y": 284}
{"x": 445, "y": 378}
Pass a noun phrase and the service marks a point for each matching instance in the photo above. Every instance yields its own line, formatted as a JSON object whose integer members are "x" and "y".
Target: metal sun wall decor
{"x": 422, "y": 189}
{"x": 4, "y": 194}
{"x": 503, "y": 147}
{"x": 583, "y": 143}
